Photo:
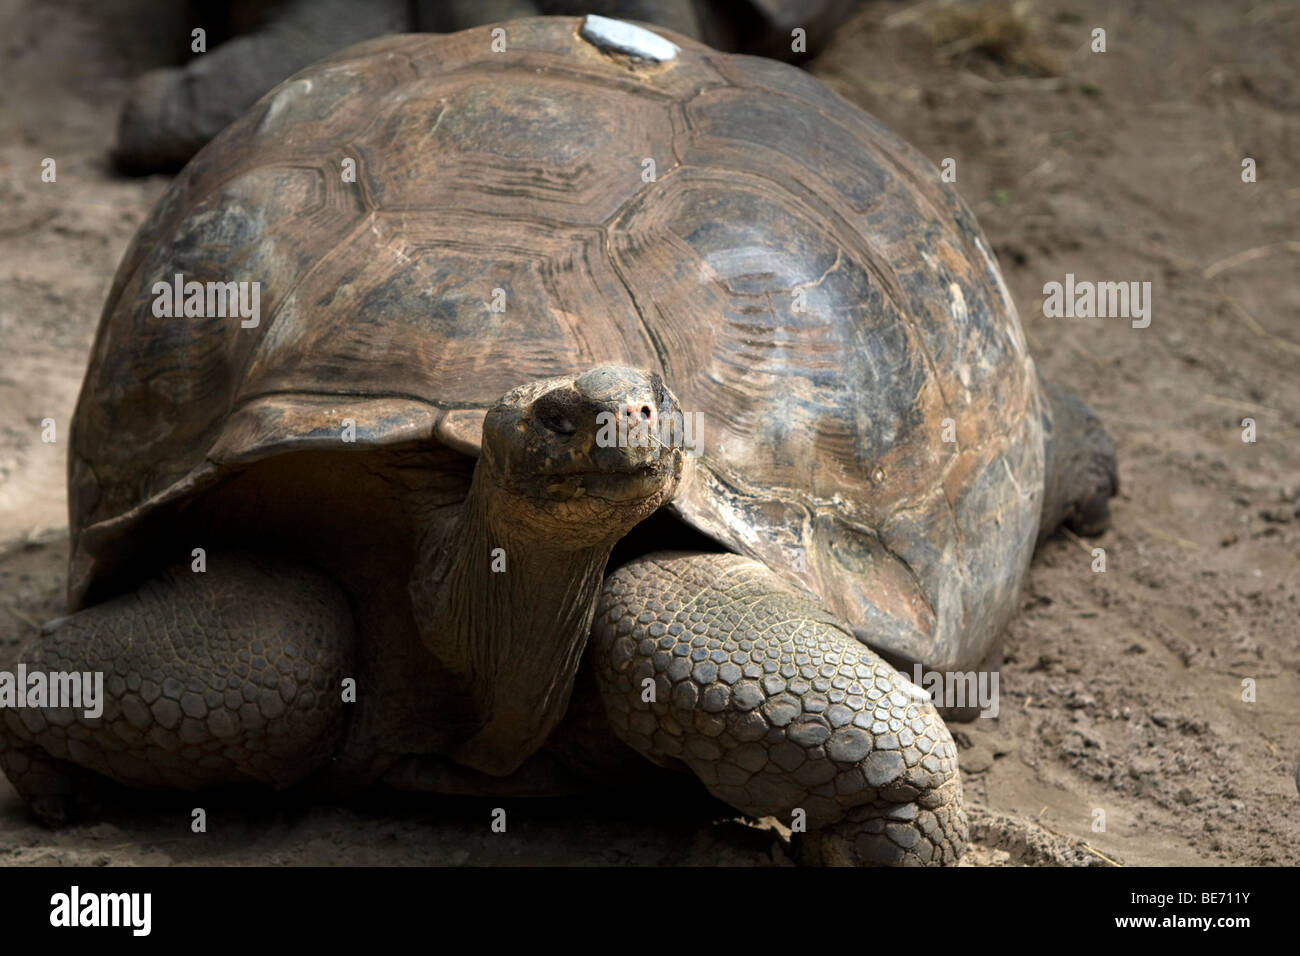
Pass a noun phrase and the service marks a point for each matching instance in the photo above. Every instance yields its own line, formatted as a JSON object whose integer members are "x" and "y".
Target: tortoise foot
{"x": 194, "y": 680}
{"x": 710, "y": 661}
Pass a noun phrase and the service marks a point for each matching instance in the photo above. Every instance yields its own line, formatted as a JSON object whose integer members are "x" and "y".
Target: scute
{"x": 779, "y": 130}
{"x": 477, "y": 144}
{"x": 158, "y": 388}
{"x": 800, "y": 277}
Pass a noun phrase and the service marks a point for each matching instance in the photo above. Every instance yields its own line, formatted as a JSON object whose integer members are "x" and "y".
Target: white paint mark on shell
{"x": 1012, "y": 475}
{"x": 282, "y": 99}
{"x": 991, "y": 267}
{"x": 741, "y": 261}
{"x": 958, "y": 303}
{"x": 620, "y": 37}
{"x": 960, "y": 316}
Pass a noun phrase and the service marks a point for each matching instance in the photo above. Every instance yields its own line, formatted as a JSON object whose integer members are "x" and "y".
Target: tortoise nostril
{"x": 646, "y": 413}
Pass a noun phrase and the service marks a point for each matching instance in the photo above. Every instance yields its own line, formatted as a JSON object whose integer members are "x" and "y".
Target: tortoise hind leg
{"x": 226, "y": 676}
{"x": 171, "y": 113}
{"x": 1082, "y": 474}
{"x": 710, "y": 661}
{"x": 451, "y": 16}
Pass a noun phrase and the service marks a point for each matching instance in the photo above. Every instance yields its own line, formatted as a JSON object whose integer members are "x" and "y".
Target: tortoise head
{"x": 567, "y": 467}
{"x": 581, "y": 459}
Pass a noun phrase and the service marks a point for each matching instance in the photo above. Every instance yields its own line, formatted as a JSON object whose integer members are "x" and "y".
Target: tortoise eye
{"x": 553, "y": 411}
{"x": 660, "y": 389}
{"x": 556, "y": 422}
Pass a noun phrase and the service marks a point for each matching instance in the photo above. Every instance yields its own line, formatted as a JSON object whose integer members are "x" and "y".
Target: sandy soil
{"x": 1121, "y": 692}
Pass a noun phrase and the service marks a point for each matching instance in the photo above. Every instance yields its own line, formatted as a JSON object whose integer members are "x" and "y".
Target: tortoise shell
{"x": 870, "y": 422}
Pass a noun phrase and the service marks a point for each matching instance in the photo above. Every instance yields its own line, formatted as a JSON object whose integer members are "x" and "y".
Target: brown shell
{"x": 823, "y": 448}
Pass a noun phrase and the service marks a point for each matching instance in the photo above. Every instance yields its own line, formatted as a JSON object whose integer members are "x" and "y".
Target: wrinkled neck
{"x": 507, "y": 609}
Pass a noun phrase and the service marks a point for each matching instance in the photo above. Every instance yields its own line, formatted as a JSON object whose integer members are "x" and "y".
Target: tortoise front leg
{"x": 776, "y": 707}
{"x": 227, "y": 676}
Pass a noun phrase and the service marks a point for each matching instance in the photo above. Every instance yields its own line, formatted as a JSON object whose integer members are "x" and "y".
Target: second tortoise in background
{"x": 172, "y": 112}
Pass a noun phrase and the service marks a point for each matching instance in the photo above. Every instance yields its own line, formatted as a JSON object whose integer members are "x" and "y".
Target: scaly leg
{"x": 225, "y": 676}
{"x": 776, "y": 707}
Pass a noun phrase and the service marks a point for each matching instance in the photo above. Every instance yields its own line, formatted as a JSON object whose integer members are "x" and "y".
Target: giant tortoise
{"x": 606, "y": 399}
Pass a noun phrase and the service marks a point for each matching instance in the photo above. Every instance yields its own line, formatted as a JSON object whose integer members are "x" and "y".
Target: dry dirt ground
{"x": 1122, "y": 691}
